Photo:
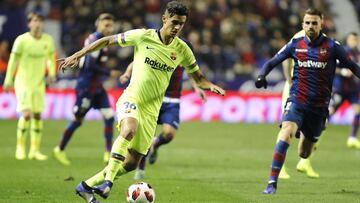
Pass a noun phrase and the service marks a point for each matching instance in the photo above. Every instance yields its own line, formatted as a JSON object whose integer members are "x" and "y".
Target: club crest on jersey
{"x": 173, "y": 56}
{"x": 323, "y": 51}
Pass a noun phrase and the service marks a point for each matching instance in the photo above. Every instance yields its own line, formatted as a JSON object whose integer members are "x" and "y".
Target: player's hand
{"x": 124, "y": 78}
{"x": 346, "y": 72}
{"x": 201, "y": 94}
{"x": 217, "y": 90}
{"x": 70, "y": 62}
{"x": 6, "y": 87}
{"x": 261, "y": 82}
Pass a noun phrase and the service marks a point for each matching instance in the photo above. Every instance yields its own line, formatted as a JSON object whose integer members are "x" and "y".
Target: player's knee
{"x": 168, "y": 136}
{"x": 130, "y": 165}
{"x": 26, "y": 115}
{"x": 287, "y": 131}
{"x": 127, "y": 132}
{"x": 107, "y": 113}
{"x": 37, "y": 116}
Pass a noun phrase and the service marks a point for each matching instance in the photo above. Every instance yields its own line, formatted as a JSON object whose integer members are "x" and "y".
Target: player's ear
{"x": 163, "y": 18}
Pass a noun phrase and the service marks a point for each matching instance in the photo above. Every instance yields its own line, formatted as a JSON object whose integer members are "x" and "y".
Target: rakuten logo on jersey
{"x": 158, "y": 66}
{"x": 311, "y": 64}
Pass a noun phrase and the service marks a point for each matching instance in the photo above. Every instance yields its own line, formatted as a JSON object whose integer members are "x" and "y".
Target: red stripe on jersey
{"x": 303, "y": 85}
{"x": 322, "y": 76}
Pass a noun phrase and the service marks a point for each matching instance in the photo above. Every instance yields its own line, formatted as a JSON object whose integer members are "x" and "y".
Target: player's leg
{"x": 101, "y": 101}
{"x": 169, "y": 118}
{"x": 23, "y": 129}
{"x": 36, "y": 136}
{"x": 119, "y": 151}
{"x": 304, "y": 165}
{"x": 353, "y": 141}
{"x": 285, "y": 95}
{"x": 167, "y": 135}
{"x": 288, "y": 130}
{"x": 81, "y": 107}
{"x": 23, "y": 98}
{"x": 312, "y": 128}
{"x": 140, "y": 172}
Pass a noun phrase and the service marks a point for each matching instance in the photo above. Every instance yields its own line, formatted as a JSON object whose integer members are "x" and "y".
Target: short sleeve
{"x": 17, "y": 46}
{"x": 131, "y": 37}
{"x": 189, "y": 62}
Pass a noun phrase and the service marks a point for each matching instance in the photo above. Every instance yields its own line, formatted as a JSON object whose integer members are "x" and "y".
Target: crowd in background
{"x": 232, "y": 38}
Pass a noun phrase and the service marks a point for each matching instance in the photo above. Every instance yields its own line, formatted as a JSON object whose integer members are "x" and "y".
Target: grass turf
{"x": 207, "y": 162}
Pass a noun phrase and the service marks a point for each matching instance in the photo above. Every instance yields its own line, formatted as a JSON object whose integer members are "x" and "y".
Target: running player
{"x": 157, "y": 54}
{"x": 90, "y": 92}
{"x": 306, "y": 109}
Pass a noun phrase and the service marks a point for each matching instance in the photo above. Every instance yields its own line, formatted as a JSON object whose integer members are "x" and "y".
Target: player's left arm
{"x": 202, "y": 82}
{"x": 51, "y": 62}
{"x": 198, "y": 90}
{"x": 73, "y": 60}
{"x": 340, "y": 54}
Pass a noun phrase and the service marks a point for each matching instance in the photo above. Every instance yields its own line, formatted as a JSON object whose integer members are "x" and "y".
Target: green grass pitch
{"x": 207, "y": 162}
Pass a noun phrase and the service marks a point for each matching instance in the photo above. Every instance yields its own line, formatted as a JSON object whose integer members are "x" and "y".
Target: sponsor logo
{"x": 301, "y": 50}
{"x": 147, "y": 47}
{"x": 323, "y": 51}
{"x": 312, "y": 64}
{"x": 154, "y": 64}
{"x": 173, "y": 56}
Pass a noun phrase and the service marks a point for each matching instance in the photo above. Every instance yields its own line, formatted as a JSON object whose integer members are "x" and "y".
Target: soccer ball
{"x": 140, "y": 193}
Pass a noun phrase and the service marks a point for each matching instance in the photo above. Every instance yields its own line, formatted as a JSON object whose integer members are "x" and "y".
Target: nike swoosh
{"x": 149, "y": 47}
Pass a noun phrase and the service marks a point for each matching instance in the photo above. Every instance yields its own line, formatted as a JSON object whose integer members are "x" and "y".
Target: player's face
{"x": 352, "y": 41}
{"x": 106, "y": 27}
{"x": 36, "y": 24}
{"x": 312, "y": 25}
{"x": 173, "y": 25}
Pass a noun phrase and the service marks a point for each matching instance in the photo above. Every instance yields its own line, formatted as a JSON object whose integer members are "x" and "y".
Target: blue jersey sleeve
{"x": 341, "y": 54}
{"x": 283, "y": 54}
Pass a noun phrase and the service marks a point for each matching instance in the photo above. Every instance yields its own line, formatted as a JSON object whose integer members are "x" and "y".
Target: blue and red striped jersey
{"x": 92, "y": 71}
{"x": 314, "y": 68}
{"x": 175, "y": 85}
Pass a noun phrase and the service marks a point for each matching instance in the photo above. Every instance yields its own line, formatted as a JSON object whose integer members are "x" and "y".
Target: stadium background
{"x": 212, "y": 162}
{"x": 232, "y": 40}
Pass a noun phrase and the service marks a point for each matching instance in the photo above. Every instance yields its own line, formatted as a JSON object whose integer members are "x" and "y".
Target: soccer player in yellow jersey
{"x": 156, "y": 55}
{"x": 31, "y": 54}
{"x": 304, "y": 165}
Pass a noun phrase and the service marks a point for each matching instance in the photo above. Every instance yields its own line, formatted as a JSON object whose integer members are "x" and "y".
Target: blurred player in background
{"x": 90, "y": 92}
{"x": 169, "y": 113}
{"x": 306, "y": 109}
{"x": 156, "y": 55}
{"x": 33, "y": 52}
{"x": 304, "y": 165}
{"x": 346, "y": 87}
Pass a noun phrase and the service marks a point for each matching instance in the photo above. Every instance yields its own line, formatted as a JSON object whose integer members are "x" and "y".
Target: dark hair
{"x": 314, "y": 11}
{"x": 32, "y": 15}
{"x": 176, "y": 8}
{"x": 353, "y": 34}
{"x": 104, "y": 16}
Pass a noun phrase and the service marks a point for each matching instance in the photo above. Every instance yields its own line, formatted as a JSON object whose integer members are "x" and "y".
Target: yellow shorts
{"x": 285, "y": 95}
{"x": 141, "y": 142}
{"x": 33, "y": 100}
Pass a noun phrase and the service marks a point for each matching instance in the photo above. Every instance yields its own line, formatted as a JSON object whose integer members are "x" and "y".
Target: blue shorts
{"x": 311, "y": 122}
{"x": 169, "y": 114}
{"x": 85, "y": 100}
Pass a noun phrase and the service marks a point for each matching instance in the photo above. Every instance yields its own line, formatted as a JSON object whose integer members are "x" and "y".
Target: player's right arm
{"x": 126, "y": 76}
{"x": 73, "y": 60}
{"x": 13, "y": 61}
